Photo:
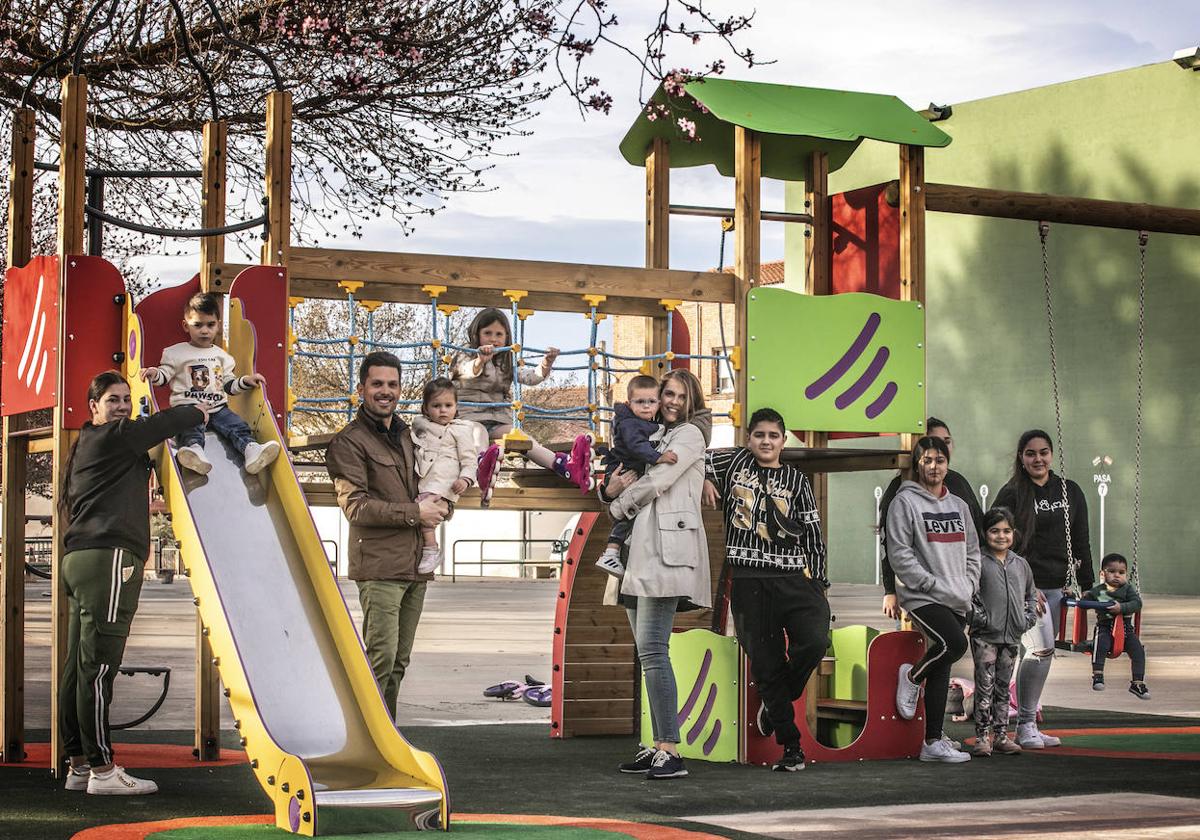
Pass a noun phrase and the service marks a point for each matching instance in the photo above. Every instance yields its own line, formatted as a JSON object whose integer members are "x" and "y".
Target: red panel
{"x": 681, "y": 341}
{"x": 262, "y": 289}
{"x": 95, "y": 305}
{"x": 30, "y": 376}
{"x": 566, "y": 580}
{"x": 866, "y": 243}
{"x": 162, "y": 326}
{"x": 885, "y": 735}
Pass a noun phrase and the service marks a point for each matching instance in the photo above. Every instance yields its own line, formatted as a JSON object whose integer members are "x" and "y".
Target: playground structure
{"x": 594, "y": 666}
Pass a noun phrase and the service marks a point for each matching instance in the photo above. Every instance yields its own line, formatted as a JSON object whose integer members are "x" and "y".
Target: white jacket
{"x": 668, "y": 554}
{"x": 444, "y": 455}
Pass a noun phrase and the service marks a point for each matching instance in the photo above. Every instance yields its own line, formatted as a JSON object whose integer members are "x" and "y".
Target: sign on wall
{"x": 30, "y": 336}
{"x": 836, "y": 363}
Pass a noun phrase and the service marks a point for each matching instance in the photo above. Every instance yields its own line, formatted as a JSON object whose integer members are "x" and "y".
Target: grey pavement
{"x": 478, "y": 632}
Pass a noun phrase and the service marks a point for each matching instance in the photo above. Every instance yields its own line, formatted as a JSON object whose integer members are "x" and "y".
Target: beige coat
{"x": 444, "y": 455}
{"x": 489, "y": 386}
{"x": 668, "y": 554}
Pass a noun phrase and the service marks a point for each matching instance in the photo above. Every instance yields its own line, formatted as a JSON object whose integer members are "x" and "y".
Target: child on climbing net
{"x": 634, "y": 431}
{"x": 1116, "y": 597}
{"x": 1004, "y": 608}
{"x": 486, "y": 376}
{"x": 446, "y": 459}
{"x": 201, "y": 373}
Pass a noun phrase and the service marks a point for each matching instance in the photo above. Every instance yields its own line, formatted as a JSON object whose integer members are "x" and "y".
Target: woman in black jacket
{"x": 105, "y": 496}
{"x": 1052, "y": 534}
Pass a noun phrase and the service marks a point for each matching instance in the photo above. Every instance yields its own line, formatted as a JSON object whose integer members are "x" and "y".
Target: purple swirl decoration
{"x": 825, "y": 382}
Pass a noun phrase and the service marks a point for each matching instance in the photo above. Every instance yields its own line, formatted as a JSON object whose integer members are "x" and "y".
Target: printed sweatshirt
{"x": 199, "y": 375}
{"x": 1047, "y": 550}
{"x": 1126, "y": 595}
{"x": 956, "y": 483}
{"x": 1006, "y": 605}
{"x": 934, "y": 549}
{"x": 634, "y": 440}
{"x": 745, "y": 489}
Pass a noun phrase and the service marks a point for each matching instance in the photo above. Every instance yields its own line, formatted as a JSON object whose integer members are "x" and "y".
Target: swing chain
{"x": 1143, "y": 239}
{"x": 1072, "y": 582}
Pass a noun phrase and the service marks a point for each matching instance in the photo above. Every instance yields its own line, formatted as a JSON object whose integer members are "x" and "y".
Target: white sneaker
{"x": 942, "y": 750}
{"x": 1047, "y": 740}
{"x": 116, "y": 782}
{"x": 431, "y": 558}
{"x": 610, "y": 562}
{"x": 260, "y": 455}
{"x": 192, "y": 458}
{"x": 77, "y": 777}
{"x": 1028, "y": 737}
{"x": 907, "y": 694}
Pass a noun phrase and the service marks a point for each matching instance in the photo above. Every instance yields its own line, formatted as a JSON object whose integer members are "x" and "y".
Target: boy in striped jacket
{"x": 776, "y": 556}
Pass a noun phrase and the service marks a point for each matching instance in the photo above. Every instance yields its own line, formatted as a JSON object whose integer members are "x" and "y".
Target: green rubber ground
{"x": 476, "y": 831}
{"x": 1136, "y": 743}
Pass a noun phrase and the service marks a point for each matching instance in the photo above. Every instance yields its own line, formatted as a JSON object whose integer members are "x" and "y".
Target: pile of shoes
{"x": 534, "y": 692}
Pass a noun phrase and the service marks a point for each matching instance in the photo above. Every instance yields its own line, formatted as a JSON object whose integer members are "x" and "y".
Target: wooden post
{"x": 747, "y": 204}
{"x": 912, "y": 237}
{"x": 212, "y": 203}
{"x": 276, "y": 250}
{"x": 658, "y": 240}
{"x": 818, "y": 280}
{"x": 71, "y": 196}
{"x": 15, "y": 452}
{"x": 207, "y": 743}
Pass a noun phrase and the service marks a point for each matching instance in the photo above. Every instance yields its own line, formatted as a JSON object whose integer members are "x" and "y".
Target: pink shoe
{"x": 580, "y": 464}
{"x": 485, "y": 474}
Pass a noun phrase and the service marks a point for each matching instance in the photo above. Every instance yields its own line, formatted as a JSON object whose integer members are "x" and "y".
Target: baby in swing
{"x": 1116, "y": 597}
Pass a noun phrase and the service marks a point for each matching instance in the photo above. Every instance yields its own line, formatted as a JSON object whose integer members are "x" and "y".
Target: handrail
{"x": 557, "y": 545}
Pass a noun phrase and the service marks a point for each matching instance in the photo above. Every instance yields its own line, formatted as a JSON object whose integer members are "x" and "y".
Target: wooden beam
{"x": 276, "y": 250}
{"x": 658, "y": 240}
{"x": 212, "y": 200}
{"x": 72, "y": 166}
{"x": 12, "y": 594}
{"x": 747, "y": 262}
{"x": 912, "y": 237}
{"x": 818, "y": 280}
{"x": 1057, "y": 209}
{"x": 489, "y": 274}
{"x": 20, "y": 188}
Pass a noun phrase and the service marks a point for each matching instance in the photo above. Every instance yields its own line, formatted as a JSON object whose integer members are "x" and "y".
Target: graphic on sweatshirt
{"x": 944, "y": 527}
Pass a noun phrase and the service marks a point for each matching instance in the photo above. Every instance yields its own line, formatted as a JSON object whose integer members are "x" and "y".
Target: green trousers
{"x": 391, "y": 611}
{"x": 103, "y": 585}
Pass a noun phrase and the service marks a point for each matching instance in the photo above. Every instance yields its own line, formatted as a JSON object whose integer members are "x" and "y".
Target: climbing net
{"x": 593, "y": 359}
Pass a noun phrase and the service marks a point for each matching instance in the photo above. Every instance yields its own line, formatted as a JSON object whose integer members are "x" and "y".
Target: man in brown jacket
{"x": 373, "y": 467}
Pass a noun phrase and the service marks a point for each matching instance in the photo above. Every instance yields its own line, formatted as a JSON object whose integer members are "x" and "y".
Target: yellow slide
{"x": 308, "y": 710}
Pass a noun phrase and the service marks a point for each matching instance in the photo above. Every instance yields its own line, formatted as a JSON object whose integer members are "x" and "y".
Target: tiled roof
{"x": 772, "y": 272}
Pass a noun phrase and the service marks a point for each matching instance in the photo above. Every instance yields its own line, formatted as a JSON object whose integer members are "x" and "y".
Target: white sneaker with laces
{"x": 1028, "y": 737}
{"x": 260, "y": 455}
{"x": 77, "y": 777}
{"x": 942, "y": 750}
{"x": 116, "y": 782}
{"x": 1047, "y": 740}
{"x": 192, "y": 458}
{"x": 610, "y": 562}
{"x": 907, "y": 694}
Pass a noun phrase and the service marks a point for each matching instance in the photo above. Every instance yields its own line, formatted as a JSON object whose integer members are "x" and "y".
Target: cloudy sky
{"x": 566, "y": 194}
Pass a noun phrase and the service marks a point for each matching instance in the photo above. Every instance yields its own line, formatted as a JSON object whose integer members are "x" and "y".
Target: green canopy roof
{"x": 792, "y": 122}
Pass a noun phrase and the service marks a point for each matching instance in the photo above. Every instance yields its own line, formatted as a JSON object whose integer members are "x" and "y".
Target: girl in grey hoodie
{"x": 934, "y": 550}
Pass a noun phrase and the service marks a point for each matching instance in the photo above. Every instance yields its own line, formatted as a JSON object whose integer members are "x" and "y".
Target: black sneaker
{"x": 641, "y": 762}
{"x": 1098, "y": 682}
{"x": 791, "y": 760}
{"x": 666, "y": 765}
{"x": 1139, "y": 690}
{"x": 763, "y": 721}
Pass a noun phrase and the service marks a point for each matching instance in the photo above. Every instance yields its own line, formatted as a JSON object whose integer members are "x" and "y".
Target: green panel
{"x": 706, "y": 674}
{"x": 850, "y": 671}
{"x": 792, "y": 121}
{"x": 1126, "y": 136}
{"x": 839, "y": 363}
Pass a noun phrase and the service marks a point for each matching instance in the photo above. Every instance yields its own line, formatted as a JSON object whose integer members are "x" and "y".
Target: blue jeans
{"x": 226, "y": 423}
{"x": 651, "y": 621}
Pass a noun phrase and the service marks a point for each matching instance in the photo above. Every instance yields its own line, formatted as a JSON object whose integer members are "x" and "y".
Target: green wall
{"x": 1130, "y": 136}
